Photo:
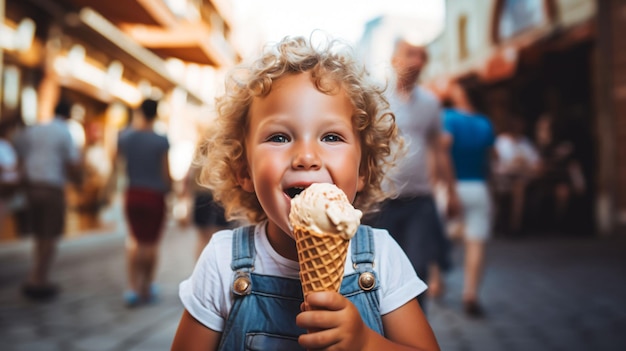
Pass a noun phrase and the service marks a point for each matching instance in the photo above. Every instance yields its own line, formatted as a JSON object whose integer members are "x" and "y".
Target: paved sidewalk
{"x": 541, "y": 294}
{"x": 89, "y": 313}
{"x": 550, "y": 294}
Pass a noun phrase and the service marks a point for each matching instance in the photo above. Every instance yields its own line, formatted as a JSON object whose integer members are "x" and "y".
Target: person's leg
{"x": 435, "y": 282}
{"x": 148, "y": 246}
{"x": 474, "y": 264}
{"x": 135, "y": 215}
{"x": 562, "y": 195}
{"x": 147, "y": 259}
{"x": 48, "y": 206}
{"x": 44, "y": 254}
{"x": 132, "y": 265}
{"x": 429, "y": 245}
{"x": 478, "y": 209}
{"x": 518, "y": 193}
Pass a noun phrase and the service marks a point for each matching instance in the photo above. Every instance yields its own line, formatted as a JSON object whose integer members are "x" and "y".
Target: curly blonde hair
{"x": 222, "y": 156}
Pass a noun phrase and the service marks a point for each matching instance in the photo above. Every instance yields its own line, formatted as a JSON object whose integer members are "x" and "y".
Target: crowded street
{"x": 480, "y": 141}
{"x": 553, "y": 293}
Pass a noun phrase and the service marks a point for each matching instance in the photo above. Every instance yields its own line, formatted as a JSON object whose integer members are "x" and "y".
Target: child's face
{"x": 297, "y": 136}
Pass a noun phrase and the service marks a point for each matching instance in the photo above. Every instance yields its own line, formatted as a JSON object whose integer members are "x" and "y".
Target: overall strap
{"x": 363, "y": 257}
{"x": 242, "y": 262}
{"x": 243, "y": 249}
{"x": 363, "y": 249}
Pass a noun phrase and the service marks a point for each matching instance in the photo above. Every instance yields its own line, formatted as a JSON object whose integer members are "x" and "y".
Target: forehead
{"x": 300, "y": 91}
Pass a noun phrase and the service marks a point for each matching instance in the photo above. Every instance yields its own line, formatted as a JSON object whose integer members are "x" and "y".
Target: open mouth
{"x": 292, "y": 192}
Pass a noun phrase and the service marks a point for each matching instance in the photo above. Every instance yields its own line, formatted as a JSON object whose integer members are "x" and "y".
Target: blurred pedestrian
{"x": 412, "y": 217}
{"x": 9, "y": 171}
{"x": 560, "y": 176}
{"x": 471, "y": 140}
{"x": 516, "y": 166}
{"x": 147, "y": 168}
{"x": 50, "y": 159}
{"x": 208, "y": 216}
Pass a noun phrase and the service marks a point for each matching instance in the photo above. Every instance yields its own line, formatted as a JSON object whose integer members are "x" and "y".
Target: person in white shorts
{"x": 471, "y": 140}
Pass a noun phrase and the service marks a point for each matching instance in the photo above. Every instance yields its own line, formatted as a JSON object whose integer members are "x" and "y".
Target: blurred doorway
{"x": 554, "y": 80}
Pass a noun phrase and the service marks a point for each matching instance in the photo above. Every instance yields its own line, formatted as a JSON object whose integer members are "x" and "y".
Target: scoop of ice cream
{"x": 324, "y": 208}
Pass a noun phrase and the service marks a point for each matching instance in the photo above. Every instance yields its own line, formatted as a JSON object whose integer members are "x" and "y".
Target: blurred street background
{"x": 540, "y": 294}
{"x": 554, "y": 277}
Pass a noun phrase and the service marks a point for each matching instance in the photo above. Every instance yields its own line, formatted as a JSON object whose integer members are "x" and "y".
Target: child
{"x": 299, "y": 115}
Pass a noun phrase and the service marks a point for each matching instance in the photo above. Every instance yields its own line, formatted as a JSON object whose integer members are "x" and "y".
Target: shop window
{"x": 11, "y": 87}
{"x": 29, "y": 105}
{"x": 462, "y": 35}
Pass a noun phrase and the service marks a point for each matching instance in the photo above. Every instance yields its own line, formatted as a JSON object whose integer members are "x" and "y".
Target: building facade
{"x": 107, "y": 58}
{"x": 557, "y": 58}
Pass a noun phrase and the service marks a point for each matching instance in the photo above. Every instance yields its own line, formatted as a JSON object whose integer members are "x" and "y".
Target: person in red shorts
{"x": 146, "y": 162}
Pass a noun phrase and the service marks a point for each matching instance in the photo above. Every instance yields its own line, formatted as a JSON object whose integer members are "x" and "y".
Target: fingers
{"x": 318, "y": 311}
{"x": 319, "y": 340}
{"x": 330, "y": 319}
{"x": 316, "y": 319}
{"x": 325, "y": 300}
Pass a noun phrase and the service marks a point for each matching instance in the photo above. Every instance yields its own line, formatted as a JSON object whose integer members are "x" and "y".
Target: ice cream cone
{"x": 323, "y": 222}
{"x": 322, "y": 258}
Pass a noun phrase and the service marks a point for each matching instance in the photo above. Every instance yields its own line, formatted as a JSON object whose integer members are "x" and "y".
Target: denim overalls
{"x": 263, "y": 315}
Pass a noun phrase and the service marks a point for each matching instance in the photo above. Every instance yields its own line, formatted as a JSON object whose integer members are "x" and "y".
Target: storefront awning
{"x": 89, "y": 26}
{"x": 187, "y": 41}
{"x": 153, "y": 25}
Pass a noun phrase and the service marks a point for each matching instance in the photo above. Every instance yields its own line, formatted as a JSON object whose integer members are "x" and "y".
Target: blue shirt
{"x": 472, "y": 138}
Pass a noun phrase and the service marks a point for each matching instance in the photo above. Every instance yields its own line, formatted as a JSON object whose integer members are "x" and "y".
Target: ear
{"x": 245, "y": 181}
{"x": 360, "y": 183}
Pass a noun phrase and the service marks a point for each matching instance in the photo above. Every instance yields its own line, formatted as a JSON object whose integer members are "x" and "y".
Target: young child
{"x": 302, "y": 113}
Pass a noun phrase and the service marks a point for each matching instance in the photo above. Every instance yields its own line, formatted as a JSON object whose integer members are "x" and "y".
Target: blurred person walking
{"x": 147, "y": 168}
{"x": 49, "y": 159}
{"x": 412, "y": 217}
{"x": 560, "y": 177}
{"x": 517, "y": 165}
{"x": 470, "y": 142}
{"x": 208, "y": 216}
{"x": 9, "y": 171}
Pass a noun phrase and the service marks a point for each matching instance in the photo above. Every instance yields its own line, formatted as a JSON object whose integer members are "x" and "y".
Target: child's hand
{"x": 333, "y": 322}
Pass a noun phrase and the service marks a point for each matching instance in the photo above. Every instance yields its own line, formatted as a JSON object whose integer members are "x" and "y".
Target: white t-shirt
{"x": 206, "y": 294}
{"x": 513, "y": 151}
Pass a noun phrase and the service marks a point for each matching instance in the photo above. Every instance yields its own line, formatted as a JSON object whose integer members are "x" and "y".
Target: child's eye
{"x": 278, "y": 138}
{"x": 332, "y": 138}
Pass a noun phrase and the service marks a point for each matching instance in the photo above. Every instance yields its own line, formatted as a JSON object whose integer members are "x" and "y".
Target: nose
{"x": 306, "y": 157}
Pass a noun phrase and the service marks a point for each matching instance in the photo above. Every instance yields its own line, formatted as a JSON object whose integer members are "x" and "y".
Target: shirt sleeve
{"x": 72, "y": 153}
{"x": 205, "y": 294}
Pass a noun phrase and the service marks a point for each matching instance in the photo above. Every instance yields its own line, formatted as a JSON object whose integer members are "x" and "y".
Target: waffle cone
{"x": 322, "y": 258}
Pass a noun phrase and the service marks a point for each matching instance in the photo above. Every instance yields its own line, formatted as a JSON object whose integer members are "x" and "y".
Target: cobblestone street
{"x": 539, "y": 294}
